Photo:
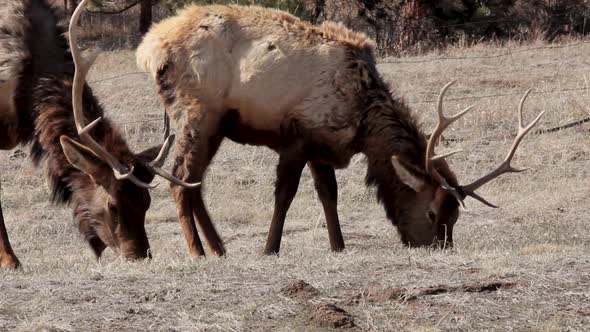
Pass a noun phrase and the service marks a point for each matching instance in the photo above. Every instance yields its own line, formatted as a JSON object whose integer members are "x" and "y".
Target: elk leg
{"x": 291, "y": 163}
{"x": 8, "y": 116}
{"x": 196, "y": 147}
{"x": 325, "y": 184}
{"x": 7, "y": 258}
{"x": 183, "y": 198}
{"x": 8, "y": 135}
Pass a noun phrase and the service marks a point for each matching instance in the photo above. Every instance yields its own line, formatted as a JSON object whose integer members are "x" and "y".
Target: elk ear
{"x": 85, "y": 160}
{"x": 408, "y": 175}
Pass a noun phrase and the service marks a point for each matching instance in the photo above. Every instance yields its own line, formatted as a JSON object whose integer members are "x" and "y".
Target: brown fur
{"x": 311, "y": 93}
{"x": 109, "y": 212}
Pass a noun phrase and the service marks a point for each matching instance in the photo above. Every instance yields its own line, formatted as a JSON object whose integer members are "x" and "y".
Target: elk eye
{"x": 432, "y": 216}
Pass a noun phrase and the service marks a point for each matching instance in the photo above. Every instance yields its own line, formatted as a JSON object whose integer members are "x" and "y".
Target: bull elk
{"x": 313, "y": 94}
{"x": 45, "y": 102}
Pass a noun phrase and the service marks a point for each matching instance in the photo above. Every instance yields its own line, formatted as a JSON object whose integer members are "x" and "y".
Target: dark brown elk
{"x": 313, "y": 94}
{"x": 46, "y": 103}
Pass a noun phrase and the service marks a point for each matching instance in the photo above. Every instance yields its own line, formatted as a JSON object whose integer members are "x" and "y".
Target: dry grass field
{"x": 523, "y": 267}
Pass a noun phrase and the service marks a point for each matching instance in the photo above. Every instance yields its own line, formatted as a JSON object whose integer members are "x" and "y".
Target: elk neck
{"x": 390, "y": 129}
{"x": 43, "y": 101}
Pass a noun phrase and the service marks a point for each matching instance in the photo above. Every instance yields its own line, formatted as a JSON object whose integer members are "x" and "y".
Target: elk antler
{"x": 82, "y": 66}
{"x": 505, "y": 167}
{"x": 443, "y": 123}
{"x": 156, "y": 164}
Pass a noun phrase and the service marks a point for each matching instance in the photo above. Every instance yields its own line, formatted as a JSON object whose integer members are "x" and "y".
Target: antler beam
{"x": 82, "y": 67}
{"x": 443, "y": 123}
{"x": 505, "y": 167}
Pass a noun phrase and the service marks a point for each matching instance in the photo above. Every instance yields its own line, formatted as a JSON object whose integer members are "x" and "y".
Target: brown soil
{"x": 329, "y": 315}
{"x": 299, "y": 290}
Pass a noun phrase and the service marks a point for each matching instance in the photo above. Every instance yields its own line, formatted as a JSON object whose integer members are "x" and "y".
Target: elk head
{"x": 121, "y": 196}
{"x": 431, "y": 208}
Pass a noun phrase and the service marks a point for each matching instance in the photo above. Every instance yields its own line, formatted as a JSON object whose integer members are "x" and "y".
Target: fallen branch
{"x": 538, "y": 132}
{"x": 558, "y": 128}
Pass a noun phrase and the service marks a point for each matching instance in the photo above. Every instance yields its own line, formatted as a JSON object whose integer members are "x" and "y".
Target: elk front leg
{"x": 197, "y": 144}
{"x": 291, "y": 163}
{"x": 325, "y": 184}
{"x": 8, "y": 116}
{"x": 8, "y": 259}
{"x": 8, "y": 137}
{"x": 8, "y": 132}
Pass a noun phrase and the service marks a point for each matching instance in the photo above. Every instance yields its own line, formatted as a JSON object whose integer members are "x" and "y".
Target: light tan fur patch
{"x": 265, "y": 63}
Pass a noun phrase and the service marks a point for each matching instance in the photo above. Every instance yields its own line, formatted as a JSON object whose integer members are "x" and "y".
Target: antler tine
{"x": 521, "y": 106}
{"x": 82, "y": 66}
{"x": 443, "y": 123}
{"x": 156, "y": 164}
{"x": 173, "y": 179}
{"x": 446, "y": 155}
{"x": 505, "y": 166}
{"x": 166, "y": 126}
{"x": 160, "y": 158}
{"x": 140, "y": 183}
{"x": 449, "y": 189}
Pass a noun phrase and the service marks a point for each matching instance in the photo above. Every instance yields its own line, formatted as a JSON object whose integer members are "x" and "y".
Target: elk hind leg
{"x": 327, "y": 188}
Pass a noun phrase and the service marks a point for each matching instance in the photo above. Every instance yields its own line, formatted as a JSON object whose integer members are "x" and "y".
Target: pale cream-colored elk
{"x": 313, "y": 94}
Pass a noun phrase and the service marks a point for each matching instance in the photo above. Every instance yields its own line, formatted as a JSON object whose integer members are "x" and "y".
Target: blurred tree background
{"x": 398, "y": 26}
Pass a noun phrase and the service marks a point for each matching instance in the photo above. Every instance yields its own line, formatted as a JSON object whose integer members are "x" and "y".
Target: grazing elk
{"x": 313, "y": 94}
{"x": 44, "y": 101}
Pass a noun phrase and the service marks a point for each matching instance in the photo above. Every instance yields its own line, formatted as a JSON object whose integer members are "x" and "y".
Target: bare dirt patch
{"x": 300, "y": 290}
{"x": 330, "y": 315}
{"x": 323, "y": 314}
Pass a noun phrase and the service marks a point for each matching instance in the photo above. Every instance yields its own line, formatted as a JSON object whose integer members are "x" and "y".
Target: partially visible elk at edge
{"x": 313, "y": 94}
{"x": 45, "y": 102}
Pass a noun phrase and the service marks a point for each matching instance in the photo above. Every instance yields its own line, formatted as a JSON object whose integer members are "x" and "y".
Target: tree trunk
{"x": 145, "y": 16}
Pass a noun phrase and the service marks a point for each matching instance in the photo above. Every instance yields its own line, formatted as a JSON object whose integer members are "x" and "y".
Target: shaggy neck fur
{"x": 53, "y": 117}
{"x": 43, "y": 101}
{"x": 391, "y": 130}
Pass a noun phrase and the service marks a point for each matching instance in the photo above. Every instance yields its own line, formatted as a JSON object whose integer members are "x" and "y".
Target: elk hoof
{"x": 195, "y": 256}
{"x": 9, "y": 262}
